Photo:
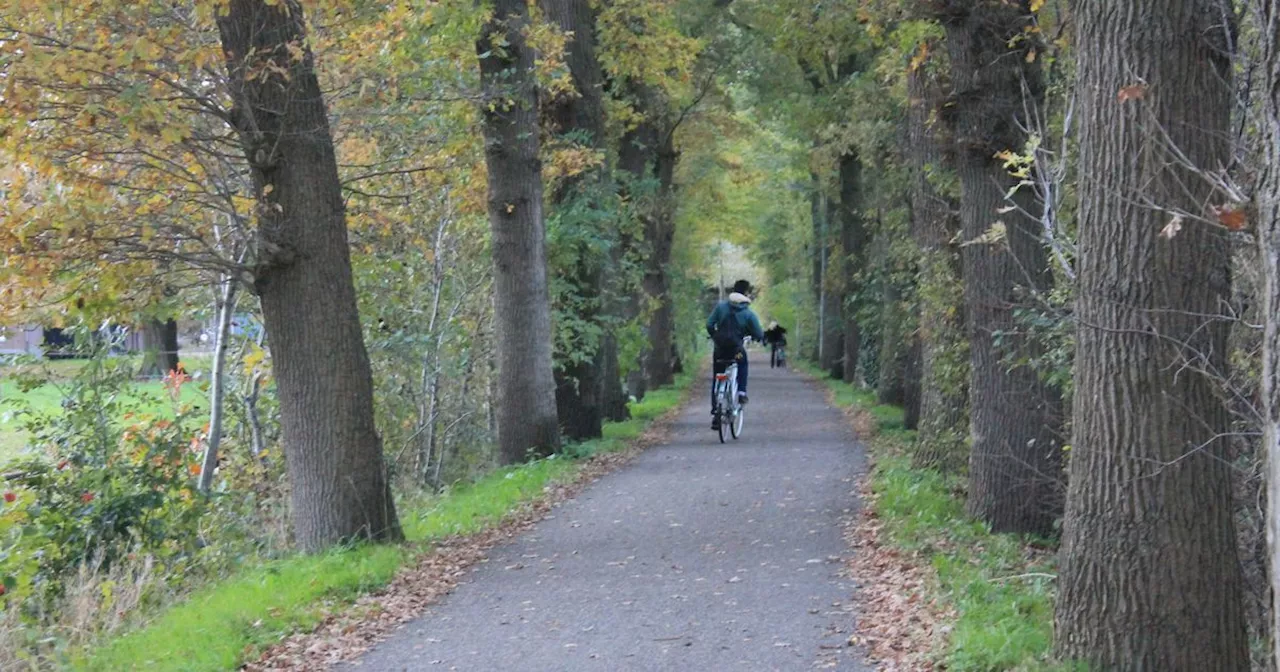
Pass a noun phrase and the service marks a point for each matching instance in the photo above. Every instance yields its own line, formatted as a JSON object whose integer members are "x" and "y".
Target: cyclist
{"x": 729, "y": 324}
{"x": 776, "y": 338}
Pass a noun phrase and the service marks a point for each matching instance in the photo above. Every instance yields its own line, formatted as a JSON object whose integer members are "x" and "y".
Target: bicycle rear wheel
{"x": 733, "y": 416}
{"x": 720, "y": 414}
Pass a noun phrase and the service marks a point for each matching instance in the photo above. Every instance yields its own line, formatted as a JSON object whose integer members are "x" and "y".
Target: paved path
{"x": 697, "y": 556}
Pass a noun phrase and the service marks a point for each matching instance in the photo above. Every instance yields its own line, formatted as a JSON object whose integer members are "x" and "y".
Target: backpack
{"x": 728, "y": 336}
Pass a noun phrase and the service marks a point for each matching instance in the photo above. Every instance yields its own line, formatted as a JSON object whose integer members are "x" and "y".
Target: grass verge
{"x": 999, "y": 587}
{"x": 227, "y": 623}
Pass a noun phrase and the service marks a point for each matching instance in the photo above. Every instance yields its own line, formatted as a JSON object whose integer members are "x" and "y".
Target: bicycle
{"x": 780, "y": 357}
{"x": 728, "y": 410}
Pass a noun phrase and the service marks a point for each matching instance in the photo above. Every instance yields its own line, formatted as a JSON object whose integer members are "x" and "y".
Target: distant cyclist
{"x": 776, "y": 338}
{"x": 729, "y": 324}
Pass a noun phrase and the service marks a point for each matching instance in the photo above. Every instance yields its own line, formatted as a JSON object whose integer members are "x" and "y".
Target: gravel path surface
{"x": 698, "y": 556}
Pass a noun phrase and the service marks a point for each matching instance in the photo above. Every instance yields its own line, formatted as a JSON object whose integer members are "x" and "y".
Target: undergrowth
{"x": 226, "y": 623}
{"x": 1000, "y": 586}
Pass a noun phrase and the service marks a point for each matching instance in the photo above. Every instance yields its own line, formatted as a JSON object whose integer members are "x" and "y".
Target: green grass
{"x": 1002, "y": 594}
{"x": 216, "y": 625}
{"x": 47, "y": 399}
{"x": 222, "y": 625}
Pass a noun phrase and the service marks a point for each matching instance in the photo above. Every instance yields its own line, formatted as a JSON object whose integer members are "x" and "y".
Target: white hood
{"x": 739, "y": 298}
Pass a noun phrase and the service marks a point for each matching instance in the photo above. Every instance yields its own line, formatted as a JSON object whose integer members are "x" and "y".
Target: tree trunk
{"x": 638, "y": 163}
{"x": 1015, "y": 465}
{"x": 944, "y": 350}
{"x": 660, "y": 232}
{"x": 1267, "y": 198}
{"x": 526, "y": 401}
{"x": 580, "y": 387}
{"x": 1149, "y": 577}
{"x": 830, "y": 328}
{"x": 853, "y": 235}
{"x": 218, "y": 385}
{"x": 615, "y": 394}
{"x": 911, "y": 402}
{"x": 429, "y": 380}
{"x": 895, "y": 348}
{"x": 160, "y": 348}
{"x": 647, "y": 154}
{"x": 338, "y": 479}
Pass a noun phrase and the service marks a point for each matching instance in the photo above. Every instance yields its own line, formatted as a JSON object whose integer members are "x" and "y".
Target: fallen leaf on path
{"x": 359, "y": 627}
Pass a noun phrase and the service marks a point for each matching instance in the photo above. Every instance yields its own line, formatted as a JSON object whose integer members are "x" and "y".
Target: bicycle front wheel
{"x": 735, "y": 423}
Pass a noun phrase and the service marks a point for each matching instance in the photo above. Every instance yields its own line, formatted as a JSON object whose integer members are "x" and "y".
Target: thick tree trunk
{"x": 1015, "y": 465}
{"x": 615, "y": 395}
{"x": 660, "y": 232}
{"x": 911, "y": 404}
{"x": 1267, "y": 199}
{"x": 336, "y": 471}
{"x": 647, "y": 153}
{"x": 160, "y": 348}
{"x": 525, "y": 407}
{"x": 580, "y": 386}
{"x": 853, "y": 236}
{"x": 1149, "y": 577}
{"x": 638, "y": 160}
{"x": 944, "y": 350}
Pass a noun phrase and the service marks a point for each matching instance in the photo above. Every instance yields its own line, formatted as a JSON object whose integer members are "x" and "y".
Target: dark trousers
{"x": 722, "y": 362}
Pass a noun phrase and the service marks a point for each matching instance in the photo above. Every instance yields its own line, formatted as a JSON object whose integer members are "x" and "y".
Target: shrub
{"x": 109, "y": 477}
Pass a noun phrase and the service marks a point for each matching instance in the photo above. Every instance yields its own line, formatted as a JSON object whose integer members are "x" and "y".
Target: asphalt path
{"x": 696, "y": 556}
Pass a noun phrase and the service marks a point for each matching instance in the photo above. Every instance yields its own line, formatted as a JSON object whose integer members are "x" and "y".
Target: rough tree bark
{"x": 647, "y": 154}
{"x": 637, "y": 158}
{"x": 853, "y": 238}
{"x": 1015, "y": 464}
{"x": 525, "y": 404}
{"x": 1149, "y": 577}
{"x": 581, "y": 385}
{"x": 336, "y": 471}
{"x": 1267, "y": 200}
{"x": 944, "y": 354}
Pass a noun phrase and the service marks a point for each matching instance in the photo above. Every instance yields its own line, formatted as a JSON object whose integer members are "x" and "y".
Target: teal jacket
{"x": 738, "y": 307}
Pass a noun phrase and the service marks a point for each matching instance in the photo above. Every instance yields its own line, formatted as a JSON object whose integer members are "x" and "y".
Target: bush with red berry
{"x": 106, "y": 481}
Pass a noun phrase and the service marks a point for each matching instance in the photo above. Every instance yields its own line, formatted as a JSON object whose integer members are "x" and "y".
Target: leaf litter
{"x": 347, "y": 631}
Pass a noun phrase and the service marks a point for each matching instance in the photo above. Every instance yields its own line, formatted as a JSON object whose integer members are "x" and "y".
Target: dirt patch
{"x": 345, "y": 635}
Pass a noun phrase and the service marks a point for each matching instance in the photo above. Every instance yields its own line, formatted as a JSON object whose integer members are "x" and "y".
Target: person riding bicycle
{"x": 776, "y": 338}
{"x": 729, "y": 324}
